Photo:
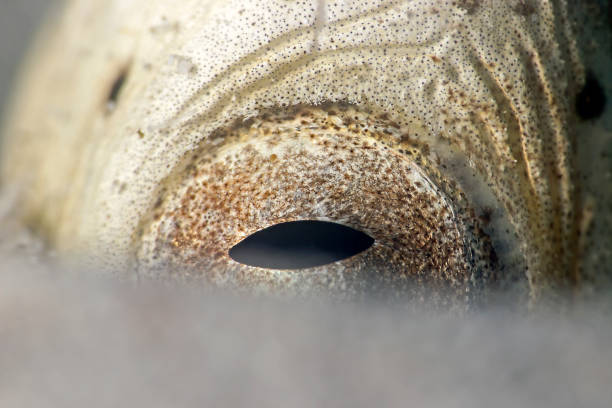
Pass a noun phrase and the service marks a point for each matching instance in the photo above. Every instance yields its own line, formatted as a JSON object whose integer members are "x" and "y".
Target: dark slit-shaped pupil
{"x": 300, "y": 244}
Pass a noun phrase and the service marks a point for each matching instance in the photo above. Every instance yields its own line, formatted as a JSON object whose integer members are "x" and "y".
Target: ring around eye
{"x": 334, "y": 164}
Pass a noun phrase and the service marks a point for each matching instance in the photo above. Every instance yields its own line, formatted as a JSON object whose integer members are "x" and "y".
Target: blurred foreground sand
{"x": 70, "y": 339}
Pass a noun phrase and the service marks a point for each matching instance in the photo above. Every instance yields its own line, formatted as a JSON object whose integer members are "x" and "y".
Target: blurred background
{"x": 19, "y": 21}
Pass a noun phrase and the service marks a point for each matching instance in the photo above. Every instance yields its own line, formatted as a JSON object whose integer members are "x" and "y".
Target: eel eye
{"x": 319, "y": 199}
{"x": 300, "y": 244}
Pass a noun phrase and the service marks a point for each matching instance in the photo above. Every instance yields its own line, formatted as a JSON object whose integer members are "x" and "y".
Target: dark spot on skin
{"x": 524, "y": 8}
{"x": 469, "y": 5}
{"x": 485, "y": 217}
{"x": 117, "y": 86}
{"x": 591, "y": 100}
{"x": 158, "y": 203}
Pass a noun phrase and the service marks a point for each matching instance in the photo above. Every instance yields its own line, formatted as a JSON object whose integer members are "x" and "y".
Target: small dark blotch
{"x": 485, "y": 217}
{"x": 115, "y": 91}
{"x": 158, "y": 203}
{"x": 524, "y": 8}
{"x": 469, "y": 5}
{"x": 591, "y": 100}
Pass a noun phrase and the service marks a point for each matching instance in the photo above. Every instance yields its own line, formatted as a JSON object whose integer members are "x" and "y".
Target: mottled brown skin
{"x": 334, "y": 164}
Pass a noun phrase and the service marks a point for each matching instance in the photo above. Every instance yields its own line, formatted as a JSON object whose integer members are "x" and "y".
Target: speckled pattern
{"x": 335, "y": 164}
{"x": 482, "y": 89}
